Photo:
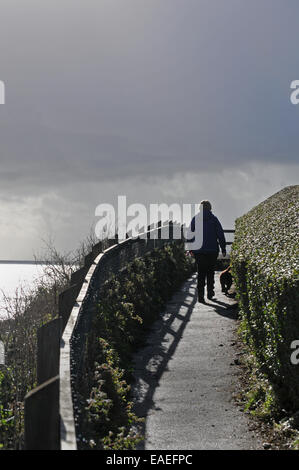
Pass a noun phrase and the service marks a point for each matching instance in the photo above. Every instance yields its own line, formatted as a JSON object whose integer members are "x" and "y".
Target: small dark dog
{"x": 226, "y": 280}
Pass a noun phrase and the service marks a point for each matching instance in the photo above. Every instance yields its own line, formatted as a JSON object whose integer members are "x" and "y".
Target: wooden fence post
{"x": 42, "y": 417}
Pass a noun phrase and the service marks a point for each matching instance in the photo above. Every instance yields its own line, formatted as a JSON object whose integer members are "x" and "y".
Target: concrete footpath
{"x": 185, "y": 377}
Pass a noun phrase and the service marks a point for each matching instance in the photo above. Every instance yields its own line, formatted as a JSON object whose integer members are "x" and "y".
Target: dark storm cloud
{"x": 116, "y": 90}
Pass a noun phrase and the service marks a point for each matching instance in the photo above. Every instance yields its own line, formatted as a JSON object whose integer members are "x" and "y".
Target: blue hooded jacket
{"x": 213, "y": 234}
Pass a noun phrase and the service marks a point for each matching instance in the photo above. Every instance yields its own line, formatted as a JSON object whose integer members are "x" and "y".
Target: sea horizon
{"x": 22, "y": 261}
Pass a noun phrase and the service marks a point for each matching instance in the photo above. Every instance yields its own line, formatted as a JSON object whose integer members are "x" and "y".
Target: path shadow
{"x": 225, "y": 309}
{"x": 151, "y": 361}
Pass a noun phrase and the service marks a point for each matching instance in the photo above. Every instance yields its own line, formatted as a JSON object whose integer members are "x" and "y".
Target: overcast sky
{"x": 160, "y": 100}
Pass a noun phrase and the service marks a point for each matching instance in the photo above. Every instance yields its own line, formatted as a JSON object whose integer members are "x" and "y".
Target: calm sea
{"x": 15, "y": 274}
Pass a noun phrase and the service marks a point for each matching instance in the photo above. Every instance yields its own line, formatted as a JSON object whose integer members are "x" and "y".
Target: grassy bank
{"x": 265, "y": 260}
{"x": 131, "y": 301}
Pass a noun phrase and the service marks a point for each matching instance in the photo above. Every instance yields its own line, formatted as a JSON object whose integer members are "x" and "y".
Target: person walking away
{"x": 207, "y": 255}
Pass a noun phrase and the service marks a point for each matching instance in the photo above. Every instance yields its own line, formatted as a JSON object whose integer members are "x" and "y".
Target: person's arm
{"x": 192, "y": 225}
{"x": 190, "y": 231}
{"x": 221, "y": 237}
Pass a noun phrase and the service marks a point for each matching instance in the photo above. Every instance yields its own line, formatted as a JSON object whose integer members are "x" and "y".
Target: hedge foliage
{"x": 265, "y": 261}
{"x": 131, "y": 301}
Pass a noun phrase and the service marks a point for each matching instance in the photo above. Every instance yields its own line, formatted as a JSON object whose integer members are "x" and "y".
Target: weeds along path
{"x": 185, "y": 377}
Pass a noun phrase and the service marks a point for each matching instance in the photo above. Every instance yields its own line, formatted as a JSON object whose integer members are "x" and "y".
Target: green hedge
{"x": 265, "y": 257}
{"x": 132, "y": 300}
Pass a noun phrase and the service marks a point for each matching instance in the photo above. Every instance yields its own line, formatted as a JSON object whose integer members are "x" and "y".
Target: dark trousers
{"x": 206, "y": 269}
